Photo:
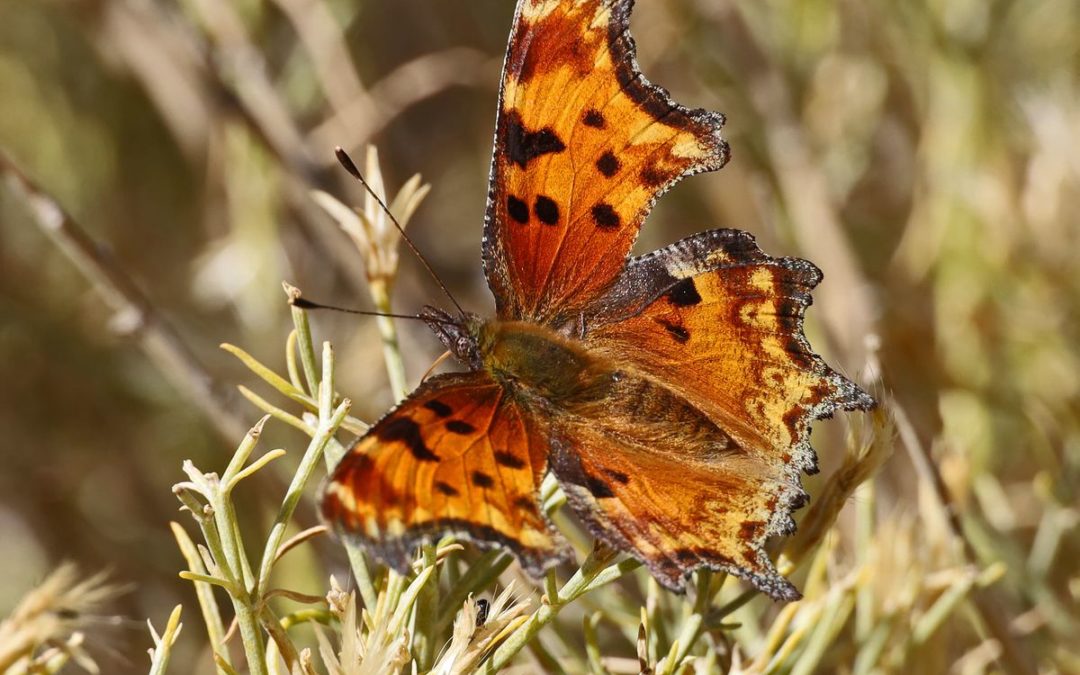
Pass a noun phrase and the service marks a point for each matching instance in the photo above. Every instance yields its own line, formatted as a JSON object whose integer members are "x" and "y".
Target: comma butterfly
{"x": 670, "y": 394}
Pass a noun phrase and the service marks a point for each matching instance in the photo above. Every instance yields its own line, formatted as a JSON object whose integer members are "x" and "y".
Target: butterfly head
{"x": 459, "y": 333}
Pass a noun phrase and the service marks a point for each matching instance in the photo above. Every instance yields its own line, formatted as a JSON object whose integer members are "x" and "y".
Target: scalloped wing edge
{"x": 639, "y": 88}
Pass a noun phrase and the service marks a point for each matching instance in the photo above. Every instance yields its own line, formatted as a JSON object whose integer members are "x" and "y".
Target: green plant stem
{"x": 328, "y": 425}
{"x": 592, "y": 645}
{"x": 306, "y": 348}
{"x": 359, "y": 566}
{"x": 740, "y": 600}
{"x": 656, "y": 623}
{"x": 250, "y": 634}
{"x": 321, "y": 616}
{"x": 478, "y": 576}
{"x": 403, "y": 605}
{"x": 596, "y": 571}
{"x": 163, "y": 648}
{"x": 269, "y": 376}
{"x": 864, "y": 537}
{"x": 395, "y": 366}
{"x": 357, "y": 562}
{"x": 833, "y": 618}
{"x": 243, "y": 451}
{"x": 245, "y": 561}
{"x": 215, "y": 628}
{"x": 290, "y": 360}
{"x": 243, "y": 600}
{"x": 281, "y": 639}
{"x": 873, "y": 645}
{"x": 692, "y": 624}
{"x": 425, "y": 616}
{"x": 395, "y": 370}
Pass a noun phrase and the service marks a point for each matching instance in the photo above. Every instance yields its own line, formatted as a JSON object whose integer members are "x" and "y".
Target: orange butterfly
{"x": 670, "y": 394}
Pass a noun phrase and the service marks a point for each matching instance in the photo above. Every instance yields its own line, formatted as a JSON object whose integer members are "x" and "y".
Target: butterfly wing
{"x": 693, "y": 457}
{"x": 584, "y": 145}
{"x": 457, "y": 456}
{"x": 720, "y": 323}
{"x": 651, "y": 475}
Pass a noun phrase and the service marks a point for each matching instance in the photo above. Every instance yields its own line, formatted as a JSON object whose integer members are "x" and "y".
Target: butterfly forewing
{"x": 584, "y": 145}
{"x": 455, "y": 457}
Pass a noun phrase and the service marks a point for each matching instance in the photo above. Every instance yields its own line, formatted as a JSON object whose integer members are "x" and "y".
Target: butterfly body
{"x": 535, "y": 363}
{"x": 670, "y": 394}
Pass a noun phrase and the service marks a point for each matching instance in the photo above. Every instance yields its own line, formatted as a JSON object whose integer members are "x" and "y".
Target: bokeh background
{"x": 924, "y": 154}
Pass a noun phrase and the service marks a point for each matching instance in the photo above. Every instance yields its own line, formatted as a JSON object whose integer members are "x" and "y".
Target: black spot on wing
{"x": 504, "y": 458}
{"x": 546, "y": 210}
{"x": 439, "y": 408}
{"x": 594, "y": 118}
{"x": 617, "y": 476}
{"x": 608, "y": 164}
{"x": 675, "y": 330}
{"x": 446, "y": 488}
{"x": 482, "y": 480}
{"x": 652, "y": 177}
{"x": 523, "y": 146}
{"x": 525, "y": 503}
{"x": 406, "y": 431}
{"x": 460, "y": 427}
{"x": 517, "y": 209}
{"x": 684, "y": 294}
{"x": 605, "y": 217}
{"x": 357, "y": 462}
{"x": 598, "y": 487}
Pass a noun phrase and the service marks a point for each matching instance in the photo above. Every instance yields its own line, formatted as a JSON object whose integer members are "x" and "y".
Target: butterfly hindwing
{"x": 584, "y": 145}
{"x": 457, "y": 456}
{"x": 721, "y": 323}
{"x": 651, "y": 475}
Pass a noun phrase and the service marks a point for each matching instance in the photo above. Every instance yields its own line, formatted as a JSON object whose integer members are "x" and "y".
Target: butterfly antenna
{"x": 296, "y": 300}
{"x": 350, "y": 166}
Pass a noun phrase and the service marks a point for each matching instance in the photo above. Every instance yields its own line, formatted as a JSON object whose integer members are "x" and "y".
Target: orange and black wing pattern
{"x": 458, "y": 457}
{"x": 651, "y": 475}
{"x": 720, "y": 323}
{"x": 699, "y": 463}
{"x": 584, "y": 145}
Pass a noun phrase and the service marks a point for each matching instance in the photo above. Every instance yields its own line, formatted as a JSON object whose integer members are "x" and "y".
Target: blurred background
{"x": 924, "y": 154}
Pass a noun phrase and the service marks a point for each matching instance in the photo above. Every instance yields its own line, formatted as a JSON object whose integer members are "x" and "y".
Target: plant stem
{"x": 425, "y": 616}
{"x": 596, "y": 571}
{"x": 328, "y": 425}
{"x": 215, "y": 628}
{"x": 163, "y": 649}
{"x": 306, "y": 348}
{"x": 395, "y": 366}
{"x": 692, "y": 624}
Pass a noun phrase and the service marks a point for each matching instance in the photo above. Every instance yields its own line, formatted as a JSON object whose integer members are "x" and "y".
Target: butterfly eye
{"x": 618, "y": 376}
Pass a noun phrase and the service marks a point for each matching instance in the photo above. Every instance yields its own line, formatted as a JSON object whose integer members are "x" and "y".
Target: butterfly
{"x": 670, "y": 394}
